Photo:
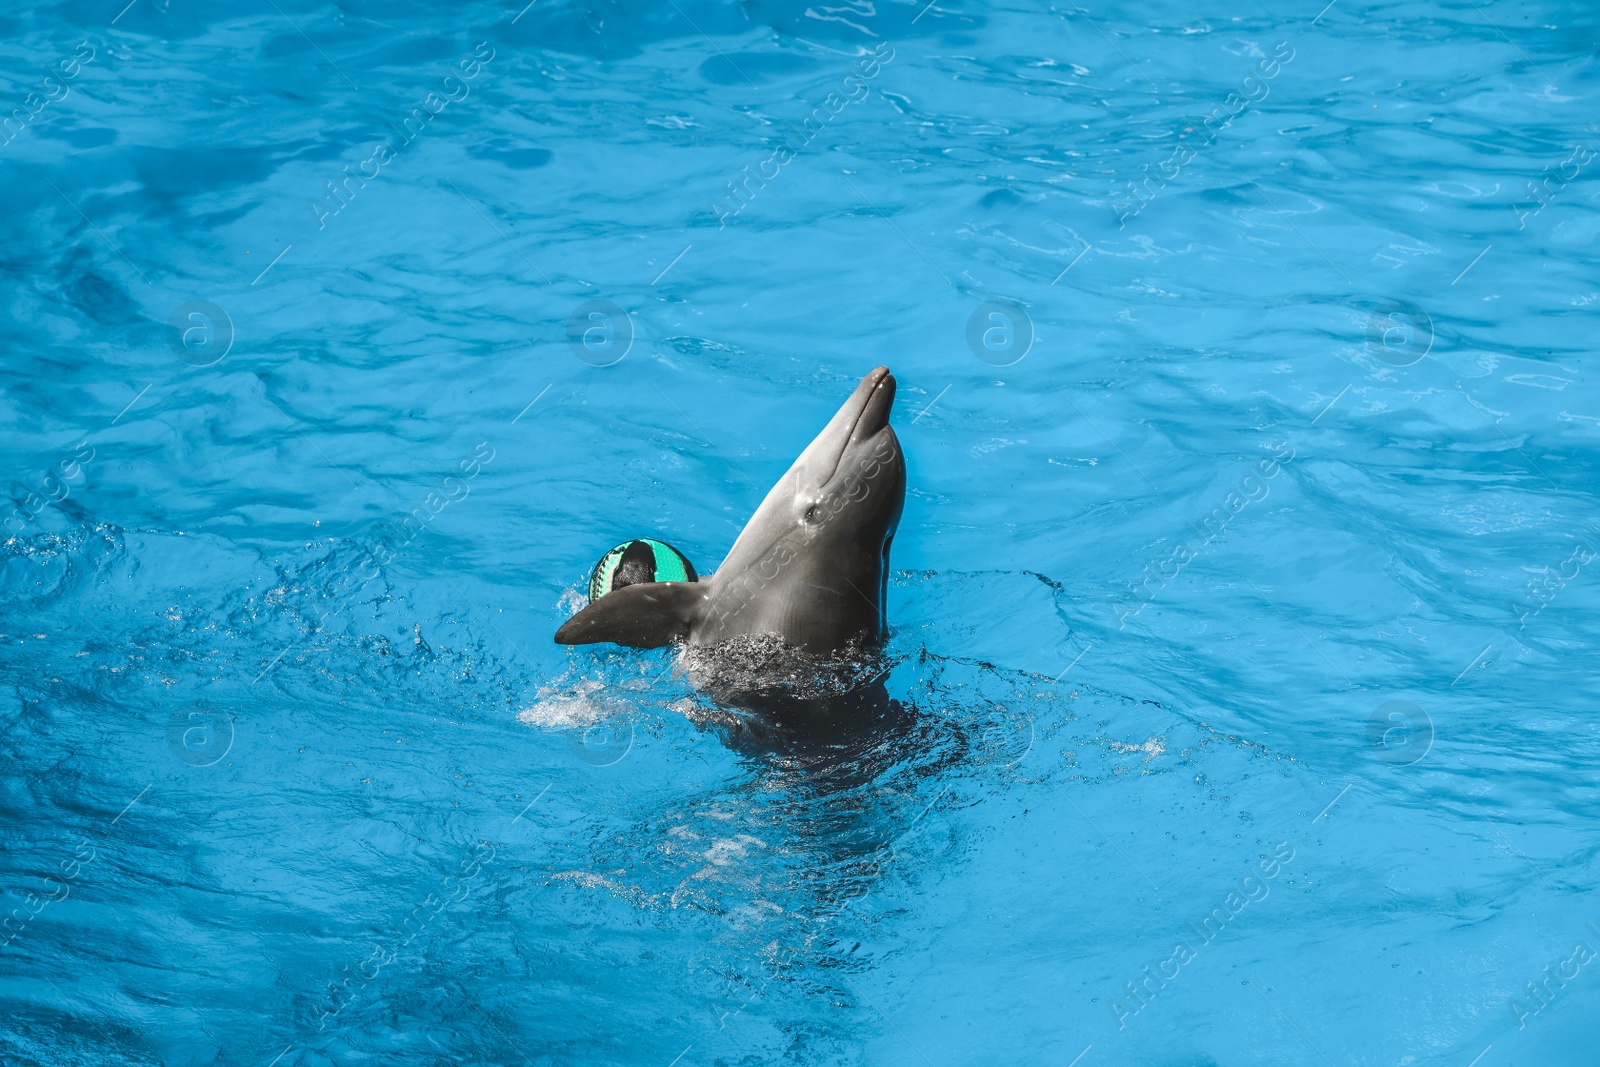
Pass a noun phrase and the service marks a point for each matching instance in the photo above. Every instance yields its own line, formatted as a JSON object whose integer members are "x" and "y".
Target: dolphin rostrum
{"x": 811, "y": 565}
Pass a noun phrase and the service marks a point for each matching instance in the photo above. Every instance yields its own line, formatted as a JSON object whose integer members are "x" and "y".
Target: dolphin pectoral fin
{"x": 647, "y": 615}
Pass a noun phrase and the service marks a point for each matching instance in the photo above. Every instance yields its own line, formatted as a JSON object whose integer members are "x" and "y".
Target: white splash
{"x": 579, "y": 706}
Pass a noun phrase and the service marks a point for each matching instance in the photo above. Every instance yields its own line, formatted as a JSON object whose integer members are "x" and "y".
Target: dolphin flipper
{"x": 647, "y": 615}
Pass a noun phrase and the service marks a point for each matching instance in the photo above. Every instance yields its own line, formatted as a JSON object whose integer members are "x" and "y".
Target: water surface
{"x": 1245, "y": 594}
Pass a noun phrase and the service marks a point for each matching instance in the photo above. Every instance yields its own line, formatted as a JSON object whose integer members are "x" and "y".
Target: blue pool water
{"x": 1246, "y": 593}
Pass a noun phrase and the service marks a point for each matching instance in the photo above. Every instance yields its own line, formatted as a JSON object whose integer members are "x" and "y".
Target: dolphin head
{"x": 810, "y": 566}
{"x": 813, "y": 559}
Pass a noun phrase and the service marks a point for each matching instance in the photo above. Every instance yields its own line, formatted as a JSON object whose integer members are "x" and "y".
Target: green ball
{"x": 635, "y": 562}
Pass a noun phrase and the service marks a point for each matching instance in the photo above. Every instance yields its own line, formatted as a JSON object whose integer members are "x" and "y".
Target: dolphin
{"x": 811, "y": 566}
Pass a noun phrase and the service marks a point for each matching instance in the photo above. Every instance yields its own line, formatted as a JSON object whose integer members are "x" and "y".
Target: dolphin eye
{"x": 813, "y": 513}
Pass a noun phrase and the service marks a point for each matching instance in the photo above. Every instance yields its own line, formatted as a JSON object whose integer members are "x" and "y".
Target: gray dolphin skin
{"x": 810, "y": 566}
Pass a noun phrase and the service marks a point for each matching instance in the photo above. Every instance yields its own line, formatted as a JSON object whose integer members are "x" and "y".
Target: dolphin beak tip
{"x": 875, "y": 396}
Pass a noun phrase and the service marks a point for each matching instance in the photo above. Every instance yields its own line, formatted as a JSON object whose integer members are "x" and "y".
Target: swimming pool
{"x": 1245, "y": 594}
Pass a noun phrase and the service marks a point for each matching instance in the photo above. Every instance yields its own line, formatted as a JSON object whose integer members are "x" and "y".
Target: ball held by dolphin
{"x": 811, "y": 565}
